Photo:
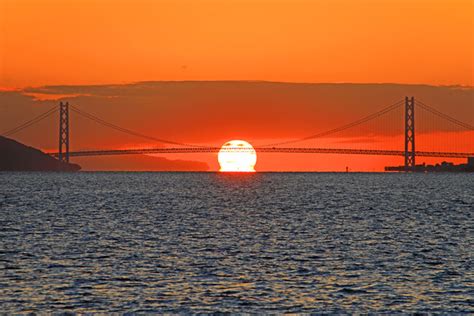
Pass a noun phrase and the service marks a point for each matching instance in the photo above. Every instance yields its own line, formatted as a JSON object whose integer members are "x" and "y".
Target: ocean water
{"x": 264, "y": 242}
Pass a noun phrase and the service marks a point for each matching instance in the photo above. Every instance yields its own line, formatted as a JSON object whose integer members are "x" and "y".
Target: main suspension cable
{"x": 126, "y": 130}
{"x": 31, "y": 122}
{"x": 343, "y": 127}
{"x": 444, "y": 116}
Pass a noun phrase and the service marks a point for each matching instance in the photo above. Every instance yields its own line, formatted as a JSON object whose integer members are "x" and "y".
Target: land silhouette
{"x": 19, "y": 157}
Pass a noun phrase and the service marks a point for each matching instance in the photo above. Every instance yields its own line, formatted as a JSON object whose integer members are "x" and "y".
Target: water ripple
{"x": 204, "y": 243}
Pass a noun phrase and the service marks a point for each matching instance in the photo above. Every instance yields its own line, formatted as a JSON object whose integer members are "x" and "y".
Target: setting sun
{"x": 237, "y": 156}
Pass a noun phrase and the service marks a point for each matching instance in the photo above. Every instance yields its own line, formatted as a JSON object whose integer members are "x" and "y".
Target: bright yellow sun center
{"x": 237, "y": 156}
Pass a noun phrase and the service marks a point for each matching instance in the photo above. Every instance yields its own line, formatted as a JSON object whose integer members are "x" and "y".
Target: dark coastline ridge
{"x": 15, "y": 156}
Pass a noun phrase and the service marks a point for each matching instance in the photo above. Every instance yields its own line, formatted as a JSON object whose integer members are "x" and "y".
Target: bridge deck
{"x": 287, "y": 150}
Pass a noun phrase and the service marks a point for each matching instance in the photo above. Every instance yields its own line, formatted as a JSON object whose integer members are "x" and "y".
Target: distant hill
{"x": 139, "y": 163}
{"x": 15, "y": 156}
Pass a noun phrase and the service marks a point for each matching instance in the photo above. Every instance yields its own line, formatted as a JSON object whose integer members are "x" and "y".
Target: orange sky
{"x": 87, "y": 47}
{"x": 110, "y": 41}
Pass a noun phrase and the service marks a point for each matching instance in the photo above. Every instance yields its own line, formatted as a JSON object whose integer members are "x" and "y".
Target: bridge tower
{"x": 63, "y": 132}
{"x": 409, "y": 134}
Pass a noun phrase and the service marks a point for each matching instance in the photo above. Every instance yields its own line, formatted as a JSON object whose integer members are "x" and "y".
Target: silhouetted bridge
{"x": 409, "y": 152}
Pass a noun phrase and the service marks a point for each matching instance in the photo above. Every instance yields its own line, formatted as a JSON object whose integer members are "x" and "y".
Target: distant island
{"x": 15, "y": 156}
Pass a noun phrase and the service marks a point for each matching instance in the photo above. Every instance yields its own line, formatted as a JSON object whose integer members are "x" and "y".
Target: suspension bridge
{"x": 408, "y": 108}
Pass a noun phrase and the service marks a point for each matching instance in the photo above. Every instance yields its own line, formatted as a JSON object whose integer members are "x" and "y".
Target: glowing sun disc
{"x": 237, "y": 156}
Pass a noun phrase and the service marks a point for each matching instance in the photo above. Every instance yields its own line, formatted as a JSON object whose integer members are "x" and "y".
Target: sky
{"x": 47, "y": 42}
{"x": 192, "y": 71}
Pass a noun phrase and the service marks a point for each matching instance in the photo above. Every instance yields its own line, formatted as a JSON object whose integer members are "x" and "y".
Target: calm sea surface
{"x": 205, "y": 242}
